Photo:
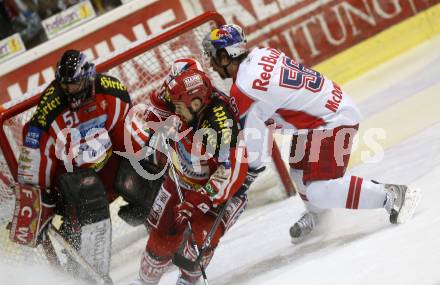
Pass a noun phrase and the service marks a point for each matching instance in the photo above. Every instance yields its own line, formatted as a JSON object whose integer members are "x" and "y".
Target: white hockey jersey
{"x": 271, "y": 85}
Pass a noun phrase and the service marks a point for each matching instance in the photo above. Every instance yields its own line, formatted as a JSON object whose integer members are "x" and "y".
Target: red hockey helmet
{"x": 182, "y": 64}
{"x": 178, "y": 66}
{"x": 189, "y": 85}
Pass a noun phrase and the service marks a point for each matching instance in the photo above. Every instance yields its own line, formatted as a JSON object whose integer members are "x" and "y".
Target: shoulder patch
{"x": 51, "y": 104}
{"x": 222, "y": 121}
{"x": 110, "y": 85}
{"x": 32, "y": 138}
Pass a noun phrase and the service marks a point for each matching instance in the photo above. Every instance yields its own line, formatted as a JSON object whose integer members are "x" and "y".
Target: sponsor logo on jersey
{"x": 91, "y": 127}
{"x": 209, "y": 189}
{"x": 46, "y": 105}
{"x": 267, "y": 63}
{"x": 107, "y": 82}
{"x": 28, "y": 163}
{"x": 94, "y": 152}
{"x": 158, "y": 208}
{"x": 32, "y": 139}
{"x": 224, "y": 124}
{"x": 190, "y": 165}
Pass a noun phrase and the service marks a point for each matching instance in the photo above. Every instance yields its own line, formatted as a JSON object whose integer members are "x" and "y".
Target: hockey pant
{"x": 163, "y": 242}
{"x": 350, "y": 192}
{"x": 318, "y": 161}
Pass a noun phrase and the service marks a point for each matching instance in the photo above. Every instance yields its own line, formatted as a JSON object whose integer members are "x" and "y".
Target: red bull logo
{"x": 218, "y": 34}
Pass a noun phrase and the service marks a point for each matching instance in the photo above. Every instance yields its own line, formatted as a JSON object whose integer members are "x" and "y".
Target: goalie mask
{"x": 75, "y": 75}
{"x": 190, "y": 85}
{"x": 228, "y": 37}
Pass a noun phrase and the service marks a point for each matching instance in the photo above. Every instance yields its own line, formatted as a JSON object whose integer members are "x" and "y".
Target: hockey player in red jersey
{"x": 322, "y": 118}
{"x": 67, "y": 165}
{"x": 207, "y": 166}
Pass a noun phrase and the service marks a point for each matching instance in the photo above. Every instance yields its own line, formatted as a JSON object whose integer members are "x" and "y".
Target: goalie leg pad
{"x": 34, "y": 209}
{"x": 87, "y": 208}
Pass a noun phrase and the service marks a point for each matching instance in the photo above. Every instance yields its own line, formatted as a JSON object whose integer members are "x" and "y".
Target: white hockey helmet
{"x": 228, "y": 37}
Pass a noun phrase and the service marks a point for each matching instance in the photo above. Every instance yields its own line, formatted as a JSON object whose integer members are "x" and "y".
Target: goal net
{"x": 142, "y": 67}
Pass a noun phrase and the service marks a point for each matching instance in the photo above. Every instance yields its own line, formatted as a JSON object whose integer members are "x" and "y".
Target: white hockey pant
{"x": 350, "y": 192}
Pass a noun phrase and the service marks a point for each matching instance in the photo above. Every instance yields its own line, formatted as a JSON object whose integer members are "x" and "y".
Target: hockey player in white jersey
{"x": 322, "y": 118}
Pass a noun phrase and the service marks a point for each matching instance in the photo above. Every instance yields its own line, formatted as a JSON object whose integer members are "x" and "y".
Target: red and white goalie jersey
{"x": 58, "y": 138}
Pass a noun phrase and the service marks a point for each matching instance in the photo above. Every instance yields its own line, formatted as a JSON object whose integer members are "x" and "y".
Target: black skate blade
{"x": 184, "y": 263}
{"x": 393, "y": 216}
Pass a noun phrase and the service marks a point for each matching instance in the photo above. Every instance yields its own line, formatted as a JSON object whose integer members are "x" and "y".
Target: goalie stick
{"x": 97, "y": 276}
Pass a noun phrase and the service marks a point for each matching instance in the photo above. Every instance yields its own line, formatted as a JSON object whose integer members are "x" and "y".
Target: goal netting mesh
{"x": 142, "y": 74}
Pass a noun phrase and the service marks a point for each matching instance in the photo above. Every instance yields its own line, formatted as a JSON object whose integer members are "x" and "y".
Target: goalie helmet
{"x": 228, "y": 37}
{"x": 74, "y": 69}
{"x": 190, "y": 85}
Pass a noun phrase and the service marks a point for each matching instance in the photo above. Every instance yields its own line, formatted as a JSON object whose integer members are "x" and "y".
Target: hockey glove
{"x": 196, "y": 205}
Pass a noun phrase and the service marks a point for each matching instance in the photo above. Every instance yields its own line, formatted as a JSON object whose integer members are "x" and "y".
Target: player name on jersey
{"x": 335, "y": 100}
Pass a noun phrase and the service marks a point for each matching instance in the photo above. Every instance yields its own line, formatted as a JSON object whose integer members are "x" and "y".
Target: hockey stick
{"x": 282, "y": 170}
{"x": 97, "y": 276}
{"x": 183, "y": 262}
{"x": 182, "y": 200}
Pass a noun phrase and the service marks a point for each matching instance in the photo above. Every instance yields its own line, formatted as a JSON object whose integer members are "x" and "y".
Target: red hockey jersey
{"x": 56, "y": 135}
{"x": 212, "y": 154}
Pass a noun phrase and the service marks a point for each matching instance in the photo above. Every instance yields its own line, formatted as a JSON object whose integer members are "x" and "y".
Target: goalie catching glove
{"x": 197, "y": 204}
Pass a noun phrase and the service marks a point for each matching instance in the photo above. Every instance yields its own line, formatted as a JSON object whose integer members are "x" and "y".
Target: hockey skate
{"x": 182, "y": 281}
{"x": 303, "y": 227}
{"x": 401, "y": 202}
{"x": 137, "y": 282}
